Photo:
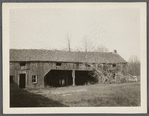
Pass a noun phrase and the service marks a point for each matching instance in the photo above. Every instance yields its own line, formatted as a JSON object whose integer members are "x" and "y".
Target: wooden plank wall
{"x": 41, "y": 69}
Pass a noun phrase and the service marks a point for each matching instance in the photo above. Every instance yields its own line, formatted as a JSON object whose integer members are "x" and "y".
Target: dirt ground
{"x": 127, "y": 94}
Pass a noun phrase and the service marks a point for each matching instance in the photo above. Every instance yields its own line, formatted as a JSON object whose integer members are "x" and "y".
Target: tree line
{"x": 134, "y": 66}
{"x": 89, "y": 45}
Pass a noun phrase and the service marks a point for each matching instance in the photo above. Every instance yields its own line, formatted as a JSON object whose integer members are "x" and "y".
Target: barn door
{"x": 22, "y": 81}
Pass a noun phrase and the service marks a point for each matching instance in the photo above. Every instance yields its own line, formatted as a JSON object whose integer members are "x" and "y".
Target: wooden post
{"x": 73, "y": 77}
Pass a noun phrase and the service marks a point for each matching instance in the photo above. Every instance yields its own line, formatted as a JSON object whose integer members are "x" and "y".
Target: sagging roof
{"x": 63, "y": 56}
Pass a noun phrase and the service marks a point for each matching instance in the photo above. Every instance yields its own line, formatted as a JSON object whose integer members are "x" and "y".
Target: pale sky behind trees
{"x": 117, "y": 27}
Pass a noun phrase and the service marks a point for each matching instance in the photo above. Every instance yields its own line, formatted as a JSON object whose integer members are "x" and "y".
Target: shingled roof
{"x": 63, "y": 56}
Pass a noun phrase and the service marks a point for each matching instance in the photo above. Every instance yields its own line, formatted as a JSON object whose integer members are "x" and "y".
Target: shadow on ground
{"x": 23, "y": 98}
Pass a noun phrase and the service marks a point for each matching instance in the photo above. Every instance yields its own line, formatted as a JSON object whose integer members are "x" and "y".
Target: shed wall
{"x": 41, "y": 69}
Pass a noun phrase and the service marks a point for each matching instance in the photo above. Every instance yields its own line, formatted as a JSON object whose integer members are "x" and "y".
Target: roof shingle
{"x": 63, "y": 56}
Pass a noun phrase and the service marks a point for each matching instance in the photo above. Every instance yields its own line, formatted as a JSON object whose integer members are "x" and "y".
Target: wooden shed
{"x": 34, "y": 68}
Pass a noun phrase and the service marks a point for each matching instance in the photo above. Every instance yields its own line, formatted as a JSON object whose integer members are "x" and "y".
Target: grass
{"x": 98, "y": 95}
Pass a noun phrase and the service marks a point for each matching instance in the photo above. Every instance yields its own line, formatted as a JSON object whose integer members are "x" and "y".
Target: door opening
{"x": 22, "y": 81}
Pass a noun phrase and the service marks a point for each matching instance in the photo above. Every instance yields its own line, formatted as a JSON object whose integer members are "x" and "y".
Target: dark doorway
{"x": 58, "y": 78}
{"x": 84, "y": 77}
{"x": 22, "y": 81}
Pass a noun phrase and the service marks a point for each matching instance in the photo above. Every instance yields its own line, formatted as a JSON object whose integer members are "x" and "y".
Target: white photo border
{"x": 64, "y": 110}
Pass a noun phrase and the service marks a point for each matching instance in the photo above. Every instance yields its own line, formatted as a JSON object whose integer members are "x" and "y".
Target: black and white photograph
{"x": 89, "y": 57}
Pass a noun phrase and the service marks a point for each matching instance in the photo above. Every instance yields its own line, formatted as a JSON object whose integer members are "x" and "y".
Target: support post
{"x": 73, "y": 77}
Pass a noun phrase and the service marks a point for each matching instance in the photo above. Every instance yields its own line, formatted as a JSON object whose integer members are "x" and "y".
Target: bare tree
{"x": 101, "y": 48}
{"x": 68, "y": 42}
{"x": 133, "y": 59}
{"x": 134, "y": 66}
{"x": 88, "y": 44}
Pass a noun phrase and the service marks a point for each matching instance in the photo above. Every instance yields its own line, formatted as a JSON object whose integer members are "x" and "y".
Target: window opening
{"x": 58, "y": 64}
{"x": 34, "y": 78}
{"x": 22, "y": 64}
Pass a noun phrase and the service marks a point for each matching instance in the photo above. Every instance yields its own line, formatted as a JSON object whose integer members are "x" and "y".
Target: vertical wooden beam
{"x": 73, "y": 77}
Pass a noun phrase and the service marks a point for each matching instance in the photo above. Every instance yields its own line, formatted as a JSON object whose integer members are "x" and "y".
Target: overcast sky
{"x": 114, "y": 26}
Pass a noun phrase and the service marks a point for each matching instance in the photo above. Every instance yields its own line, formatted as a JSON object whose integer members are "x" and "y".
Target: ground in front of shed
{"x": 98, "y": 95}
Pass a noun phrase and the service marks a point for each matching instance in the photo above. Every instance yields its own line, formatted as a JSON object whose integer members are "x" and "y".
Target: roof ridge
{"x": 65, "y": 51}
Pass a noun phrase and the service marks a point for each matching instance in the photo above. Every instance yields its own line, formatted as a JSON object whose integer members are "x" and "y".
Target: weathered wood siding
{"x": 73, "y": 66}
{"x": 16, "y": 70}
{"x": 42, "y": 68}
{"x": 35, "y": 69}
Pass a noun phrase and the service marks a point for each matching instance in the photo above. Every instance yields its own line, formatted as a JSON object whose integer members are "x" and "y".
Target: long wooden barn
{"x": 32, "y": 68}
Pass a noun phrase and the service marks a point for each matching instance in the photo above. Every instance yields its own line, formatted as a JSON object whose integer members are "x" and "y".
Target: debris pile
{"x": 109, "y": 77}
